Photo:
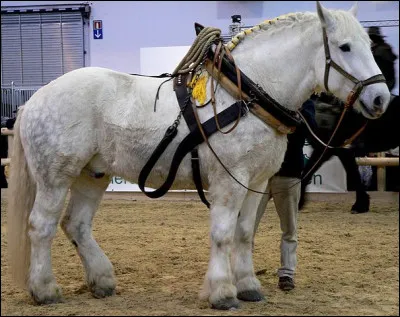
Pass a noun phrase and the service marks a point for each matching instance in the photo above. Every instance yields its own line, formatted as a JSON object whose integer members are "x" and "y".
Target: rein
{"x": 346, "y": 143}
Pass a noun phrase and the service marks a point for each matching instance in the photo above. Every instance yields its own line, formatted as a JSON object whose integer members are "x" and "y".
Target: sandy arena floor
{"x": 347, "y": 264}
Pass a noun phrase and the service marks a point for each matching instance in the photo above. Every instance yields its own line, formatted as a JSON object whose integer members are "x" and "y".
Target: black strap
{"x": 163, "y": 75}
{"x": 193, "y": 139}
{"x": 187, "y": 110}
{"x": 184, "y": 101}
{"x": 197, "y": 178}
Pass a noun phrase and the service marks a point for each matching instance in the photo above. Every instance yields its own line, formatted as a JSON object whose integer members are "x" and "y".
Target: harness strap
{"x": 350, "y": 140}
{"x": 253, "y": 106}
{"x": 197, "y": 177}
{"x": 193, "y": 139}
{"x": 185, "y": 104}
{"x": 219, "y": 55}
{"x": 270, "y": 105}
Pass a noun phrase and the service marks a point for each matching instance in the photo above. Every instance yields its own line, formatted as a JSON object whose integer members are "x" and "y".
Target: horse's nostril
{"x": 378, "y": 101}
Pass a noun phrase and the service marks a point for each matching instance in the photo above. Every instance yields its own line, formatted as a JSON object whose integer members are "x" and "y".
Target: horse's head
{"x": 345, "y": 65}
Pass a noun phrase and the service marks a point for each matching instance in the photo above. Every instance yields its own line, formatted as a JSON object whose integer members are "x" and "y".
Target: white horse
{"x": 95, "y": 119}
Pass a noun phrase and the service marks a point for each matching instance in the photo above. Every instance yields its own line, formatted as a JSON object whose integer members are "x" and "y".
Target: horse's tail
{"x": 21, "y": 196}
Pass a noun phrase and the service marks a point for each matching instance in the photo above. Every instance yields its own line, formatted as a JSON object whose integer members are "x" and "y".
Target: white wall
{"x": 131, "y": 25}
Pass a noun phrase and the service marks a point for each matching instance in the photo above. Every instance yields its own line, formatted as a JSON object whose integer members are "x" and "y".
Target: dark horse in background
{"x": 379, "y": 135}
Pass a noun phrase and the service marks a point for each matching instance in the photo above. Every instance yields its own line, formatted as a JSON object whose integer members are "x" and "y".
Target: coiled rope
{"x": 198, "y": 50}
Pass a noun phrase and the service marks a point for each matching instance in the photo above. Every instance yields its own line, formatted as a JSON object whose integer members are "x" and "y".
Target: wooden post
{"x": 381, "y": 175}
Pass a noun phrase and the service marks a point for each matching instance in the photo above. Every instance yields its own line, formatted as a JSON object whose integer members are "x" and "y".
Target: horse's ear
{"x": 325, "y": 17}
{"x": 354, "y": 9}
{"x": 198, "y": 27}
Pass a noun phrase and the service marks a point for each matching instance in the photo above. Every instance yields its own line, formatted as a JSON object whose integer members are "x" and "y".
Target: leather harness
{"x": 187, "y": 110}
{"x": 188, "y": 144}
{"x": 257, "y": 101}
{"x": 252, "y": 98}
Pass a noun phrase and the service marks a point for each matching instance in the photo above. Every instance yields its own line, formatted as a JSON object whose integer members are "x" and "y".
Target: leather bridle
{"x": 351, "y": 98}
{"x": 359, "y": 84}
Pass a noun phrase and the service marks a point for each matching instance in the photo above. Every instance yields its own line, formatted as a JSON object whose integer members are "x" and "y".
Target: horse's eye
{"x": 345, "y": 47}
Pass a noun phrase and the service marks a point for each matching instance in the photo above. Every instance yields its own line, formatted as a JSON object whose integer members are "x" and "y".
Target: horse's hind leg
{"x": 43, "y": 222}
{"x": 86, "y": 194}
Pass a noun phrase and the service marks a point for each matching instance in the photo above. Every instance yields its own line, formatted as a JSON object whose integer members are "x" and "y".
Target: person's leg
{"x": 286, "y": 195}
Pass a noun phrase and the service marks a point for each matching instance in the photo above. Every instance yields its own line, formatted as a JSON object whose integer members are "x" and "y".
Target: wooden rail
{"x": 5, "y": 161}
{"x": 10, "y": 135}
{"x": 5, "y": 131}
{"x": 378, "y": 161}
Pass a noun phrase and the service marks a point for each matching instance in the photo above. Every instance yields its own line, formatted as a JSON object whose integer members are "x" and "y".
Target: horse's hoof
{"x": 47, "y": 300}
{"x": 355, "y": 211}
{"x": 226, "y": 304}
{"x": 361, "y": 205}
{"x": 359, "y": 208}
{"x": 98, "y": 292}
{"x": 250, "y": 296}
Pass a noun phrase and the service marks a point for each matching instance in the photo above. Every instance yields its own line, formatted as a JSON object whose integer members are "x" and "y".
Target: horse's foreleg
{"x": 247, "y": 284}
{"x": 86, "y": 194}
{"x": 227, "y": 199}
{"x": 43, "y": 222}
